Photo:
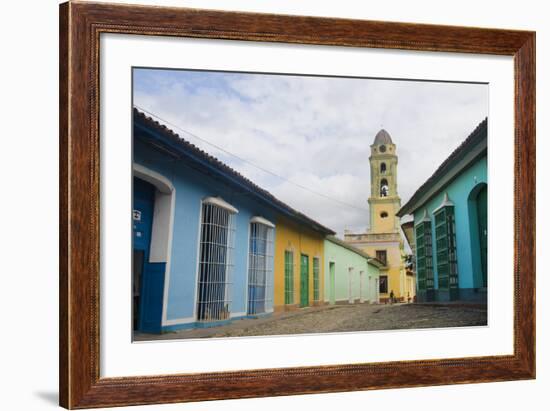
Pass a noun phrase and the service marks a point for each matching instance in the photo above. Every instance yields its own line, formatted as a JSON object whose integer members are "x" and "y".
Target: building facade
{"x": 383, "y": 239}
{"x": 351, "y": 276}
{"x": 203, "y": 236}
{"x": 451, "y": 225}
{"x": 299, "y": 268}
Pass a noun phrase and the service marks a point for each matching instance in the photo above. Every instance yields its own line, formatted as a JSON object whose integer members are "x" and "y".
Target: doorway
{"x": 332, "y": 281}
{"x": 371, "y": 291}
{"x": 142, "y": 220}
{"x": 350, "y": 285}
{"x": 481, "y": 206}
{"x": 477, "y": 210}
{"x": 304, "y": 280}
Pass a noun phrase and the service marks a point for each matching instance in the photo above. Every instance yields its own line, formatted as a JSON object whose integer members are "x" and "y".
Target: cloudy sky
{"x": 315, "y": 132}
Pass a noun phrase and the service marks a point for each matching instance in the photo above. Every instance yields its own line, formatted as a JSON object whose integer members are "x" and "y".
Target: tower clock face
{"x": 382, "y": 149}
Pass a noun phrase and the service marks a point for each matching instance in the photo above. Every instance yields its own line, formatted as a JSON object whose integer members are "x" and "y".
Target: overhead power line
{"x": 248, "y": 161}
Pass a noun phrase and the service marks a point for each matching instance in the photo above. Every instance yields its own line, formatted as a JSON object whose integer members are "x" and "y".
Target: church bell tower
{"x": 384, "y": 202}
{"x": 383, "y": 239}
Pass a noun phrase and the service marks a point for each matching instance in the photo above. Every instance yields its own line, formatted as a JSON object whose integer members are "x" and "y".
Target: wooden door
{"x": 482, "y": 226}
{"x": 304, "y": 281}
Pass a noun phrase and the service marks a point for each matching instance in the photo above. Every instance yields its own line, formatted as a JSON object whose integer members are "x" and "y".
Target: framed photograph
{"x": 260, "y": 205}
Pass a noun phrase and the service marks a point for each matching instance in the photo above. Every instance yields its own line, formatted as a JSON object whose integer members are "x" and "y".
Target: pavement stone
{"x": 342, "y": 318}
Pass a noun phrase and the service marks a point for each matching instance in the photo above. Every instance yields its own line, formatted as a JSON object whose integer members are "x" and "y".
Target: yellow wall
{"x": 395, "y": 270}
{"x": 411, "y": 287}
{"x": 293, "y": 237}
{"x": 388, "y": 224}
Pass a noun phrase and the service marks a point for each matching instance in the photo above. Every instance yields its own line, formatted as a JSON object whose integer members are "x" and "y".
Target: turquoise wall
{"x": 468, "y": 254}
{"x": 343, "y": 259}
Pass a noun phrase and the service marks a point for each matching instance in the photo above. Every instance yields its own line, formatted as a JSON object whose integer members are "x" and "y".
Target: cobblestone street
{"x": 341, "y": 318}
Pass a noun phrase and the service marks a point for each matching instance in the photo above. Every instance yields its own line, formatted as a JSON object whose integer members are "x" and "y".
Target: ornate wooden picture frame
{"x": 81, "y": 25}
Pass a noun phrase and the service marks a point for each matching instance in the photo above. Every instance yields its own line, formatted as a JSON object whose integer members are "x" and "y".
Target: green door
{"x": 482, "y": 224}
{"x": 304, "y": 281}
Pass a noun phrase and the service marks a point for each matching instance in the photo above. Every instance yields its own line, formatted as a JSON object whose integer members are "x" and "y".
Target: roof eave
{"x": 478, "y": 146}
{"x": 173, "y": 145}
{"x": 348, "y": 246}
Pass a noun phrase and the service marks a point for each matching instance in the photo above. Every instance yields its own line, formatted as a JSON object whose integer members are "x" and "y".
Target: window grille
{"x": 445, "y": 241}
{"x": 260, "y": 267}
{"x": 289, "y": 277}
{"x": 424, "y": 252}
{"x": 217, "y": 243}
{"x": 315, "y": 278}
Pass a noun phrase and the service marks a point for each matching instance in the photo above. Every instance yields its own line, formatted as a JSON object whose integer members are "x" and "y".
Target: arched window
{"x": 383, "y": 168}
{"x": 384, "y": 214}
{"x": 384, "y": 188}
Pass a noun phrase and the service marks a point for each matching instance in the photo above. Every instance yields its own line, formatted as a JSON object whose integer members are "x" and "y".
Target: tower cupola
{"x": 382, "y": 137}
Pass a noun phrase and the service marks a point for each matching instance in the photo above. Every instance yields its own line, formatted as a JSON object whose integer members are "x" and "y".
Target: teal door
{"x": 482, "y": 224}
{"x": 304, "y": 281}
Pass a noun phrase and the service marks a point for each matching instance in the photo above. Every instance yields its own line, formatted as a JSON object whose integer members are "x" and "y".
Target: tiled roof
{"x": 264, "y": 195}
{"x": 479, "y": 133}
{"x": 406, "y": 228}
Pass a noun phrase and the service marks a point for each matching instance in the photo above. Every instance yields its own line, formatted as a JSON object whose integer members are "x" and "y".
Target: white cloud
{"x": 316, "y": 131}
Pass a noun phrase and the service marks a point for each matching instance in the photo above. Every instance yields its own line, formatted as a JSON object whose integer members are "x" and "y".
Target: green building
{"x": 351, "y": 275}
{"x": 450, "y": 225}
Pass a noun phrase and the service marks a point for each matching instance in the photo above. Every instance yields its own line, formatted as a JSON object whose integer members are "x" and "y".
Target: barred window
{"x": 289, "y": 277}
{"x": 424, "y": 255}
{"x": 217, "y": 240}
{"x": 445, "y": 241}
{"x": 260, "y": 265}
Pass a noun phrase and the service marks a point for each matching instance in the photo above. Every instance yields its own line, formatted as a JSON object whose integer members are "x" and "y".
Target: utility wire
{"x": 249, "y": 162}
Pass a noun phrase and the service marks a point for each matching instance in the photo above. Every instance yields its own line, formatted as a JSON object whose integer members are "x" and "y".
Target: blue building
{"x": 450, "y": 225}
{"x": 203, "y": 235}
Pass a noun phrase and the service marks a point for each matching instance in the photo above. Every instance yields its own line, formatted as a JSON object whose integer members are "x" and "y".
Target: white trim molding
{"x": 261, "y": 220}
{"x": 178, "y": 321}
{"x": 425, "y": 218}
{"x": 219, "y": 202}
{"x": 445, "y": 203}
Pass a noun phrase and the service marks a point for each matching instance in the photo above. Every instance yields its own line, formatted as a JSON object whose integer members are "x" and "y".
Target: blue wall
{"x": 191, "y": 187}
{"x": 458, "y": 191}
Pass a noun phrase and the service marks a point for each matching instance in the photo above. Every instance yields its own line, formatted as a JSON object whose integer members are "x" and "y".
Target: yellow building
{"x": 299, "y": 264}
{"x": 383, "y": 239}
